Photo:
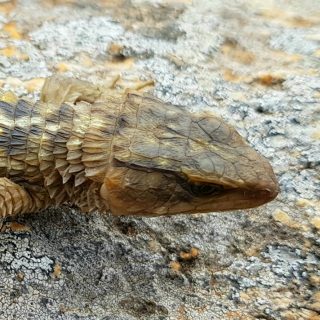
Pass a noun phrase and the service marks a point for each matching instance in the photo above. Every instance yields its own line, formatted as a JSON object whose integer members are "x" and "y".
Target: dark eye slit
{"x": 205, "y": 189}
{"x": 195, "y": 189}
{"x": 200, "y": 189}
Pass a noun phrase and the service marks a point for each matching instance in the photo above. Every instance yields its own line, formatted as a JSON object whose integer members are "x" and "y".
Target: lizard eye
{"x": 205, "y": 189}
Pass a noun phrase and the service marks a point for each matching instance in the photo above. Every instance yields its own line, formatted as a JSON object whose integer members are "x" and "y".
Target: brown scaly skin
{"x": 130, "y": 154}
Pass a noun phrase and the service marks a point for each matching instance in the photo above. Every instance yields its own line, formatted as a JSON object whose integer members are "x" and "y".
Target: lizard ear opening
{"x": 134, "y": 192}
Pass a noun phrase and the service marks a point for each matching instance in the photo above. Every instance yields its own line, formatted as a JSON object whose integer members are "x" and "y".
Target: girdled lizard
{"x": 130, "y": 154}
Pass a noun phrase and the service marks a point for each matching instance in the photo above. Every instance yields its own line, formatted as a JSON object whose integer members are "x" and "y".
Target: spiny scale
{"x": 63, "y": 149}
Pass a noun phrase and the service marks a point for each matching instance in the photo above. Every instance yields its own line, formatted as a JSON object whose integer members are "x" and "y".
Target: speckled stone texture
{"x": 256, "y": 64}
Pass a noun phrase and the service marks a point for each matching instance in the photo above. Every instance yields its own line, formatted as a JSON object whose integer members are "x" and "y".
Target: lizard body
{"x": 128, "y": 153}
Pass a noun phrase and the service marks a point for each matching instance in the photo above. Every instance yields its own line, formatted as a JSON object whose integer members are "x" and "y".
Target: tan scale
{"x": 124, "y": 152}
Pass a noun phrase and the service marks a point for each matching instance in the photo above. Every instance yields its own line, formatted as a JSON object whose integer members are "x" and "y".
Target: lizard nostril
{"x": 269, "y": 193}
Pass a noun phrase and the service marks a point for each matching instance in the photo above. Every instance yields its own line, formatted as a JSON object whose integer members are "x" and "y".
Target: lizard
{"x": 127, "y": 153}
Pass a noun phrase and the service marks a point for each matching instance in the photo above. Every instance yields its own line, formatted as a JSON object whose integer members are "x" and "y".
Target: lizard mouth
{"x": 233, "y": 194}
{"x": 214, "y": 194}
{"x": 235, "y": 199}
{"x": 227, "y": 200}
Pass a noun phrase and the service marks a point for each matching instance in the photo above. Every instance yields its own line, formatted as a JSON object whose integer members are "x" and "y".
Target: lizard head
{"x": 167, "y": 161}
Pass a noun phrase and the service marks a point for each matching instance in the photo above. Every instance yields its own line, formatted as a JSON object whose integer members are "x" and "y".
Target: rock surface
{"x": 254, "y": 63}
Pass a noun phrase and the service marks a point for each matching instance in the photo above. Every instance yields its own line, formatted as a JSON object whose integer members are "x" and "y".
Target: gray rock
{"x": 255, "y": 65}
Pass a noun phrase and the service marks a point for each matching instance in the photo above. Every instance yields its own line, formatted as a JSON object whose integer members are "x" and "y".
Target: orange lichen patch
{"x": 176, "y": 60}
{"x": 175, "y": 266}
{"x": 317, "y": 95}
{"x": 12, "y": 51}
{"x": 281, "y": 299}
{"x": 8, "y": 52}
{"x": 285, "y": 219}
{"x": 118, "y": 60}
{"x": 7, "y": 6}
{"x": 253, "y": 251}
{"x": 8, "y": 97}
{"x": 154, "y": 246}
{"x": 116, "y": 51}
{"x": 269, "y": 80}
{"x": 57, "y": 269}
{"x": 62, "y": 67}
{"x": 182, "y": 314}
{"x": 20, "y": 276}
{"x": 12, "y": 30}
{"x": 236, "y": 52}
{"x": 316, "y": 135}
{"x": 316, "y": 222}
{"x": 315, "y": 302}
{"x": 34, "y": 84}
{"x": 316, "y": 296}
{"x": 315, "y": 280}
{"x": 121, "y": 64}
{"x": 287, "y": 18}
{"x": 304, "y": 203}
{"x": 192, "y": 254}
{"x": 238, "y": 96}
{"x": 85, "y": 60}
{"x": 307, "y": 243}
{"x": 15, "y": 227}
{"x": 230, "y": 75}
{"x": 244, "y": 297}
{"x": 282, "y": 217}
{"x": 285, "y": 58}
{"x": 317, "y": 53}
{"x": 302, "y": 22}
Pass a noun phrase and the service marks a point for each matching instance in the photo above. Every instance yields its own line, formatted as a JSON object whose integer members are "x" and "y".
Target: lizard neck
{"x": 90, "y": 143}
{"x": 54, "y": 146}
